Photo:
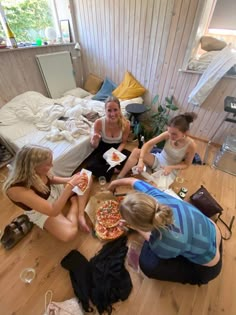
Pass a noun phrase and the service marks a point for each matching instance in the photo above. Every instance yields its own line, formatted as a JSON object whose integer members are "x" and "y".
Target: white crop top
{"x": 107, "y": 139}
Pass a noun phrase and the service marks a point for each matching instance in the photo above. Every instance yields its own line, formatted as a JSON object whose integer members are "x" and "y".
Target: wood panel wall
{"x": 19, "y": 71}
{"x": 149, "y": 38}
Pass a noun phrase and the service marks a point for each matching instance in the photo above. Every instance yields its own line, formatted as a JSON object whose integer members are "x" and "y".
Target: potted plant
{"x": 158, "y": 118}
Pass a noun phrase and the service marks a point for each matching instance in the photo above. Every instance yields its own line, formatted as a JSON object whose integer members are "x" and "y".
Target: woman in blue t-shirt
{"x": 181, "y": 244}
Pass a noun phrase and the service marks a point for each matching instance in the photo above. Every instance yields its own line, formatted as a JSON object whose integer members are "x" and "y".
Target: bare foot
{"x": 83, "y": 225}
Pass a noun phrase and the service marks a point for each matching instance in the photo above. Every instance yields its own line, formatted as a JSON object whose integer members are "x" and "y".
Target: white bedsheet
{"x": 19, "y": 125}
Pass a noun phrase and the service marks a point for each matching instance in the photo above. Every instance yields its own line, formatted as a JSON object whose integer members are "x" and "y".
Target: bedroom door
{"x": 57, "y": 72}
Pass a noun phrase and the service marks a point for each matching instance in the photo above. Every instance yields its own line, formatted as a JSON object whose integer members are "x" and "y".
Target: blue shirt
{"x": 192, "y": 234}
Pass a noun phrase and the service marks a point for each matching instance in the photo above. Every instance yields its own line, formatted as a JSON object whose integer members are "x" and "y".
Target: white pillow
{"x": 78, "y": 92}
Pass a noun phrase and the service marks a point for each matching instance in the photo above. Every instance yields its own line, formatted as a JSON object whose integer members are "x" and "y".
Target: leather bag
{"x": 204, "y": 201}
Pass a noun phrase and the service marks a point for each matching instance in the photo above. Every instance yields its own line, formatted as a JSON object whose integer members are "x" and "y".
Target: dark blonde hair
{"x": 122, "y": 120}
{"x": 23, "y": 167}
{"x": 143, "y": 212}
{"x": 182, "y": 122}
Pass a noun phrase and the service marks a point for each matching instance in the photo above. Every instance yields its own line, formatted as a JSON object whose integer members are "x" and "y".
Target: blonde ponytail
{"x": 143, "y": 212}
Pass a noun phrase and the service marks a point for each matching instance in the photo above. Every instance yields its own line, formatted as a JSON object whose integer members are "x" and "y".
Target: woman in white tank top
{"x": 177, "y": 154}
{"x": 109, "y": 131}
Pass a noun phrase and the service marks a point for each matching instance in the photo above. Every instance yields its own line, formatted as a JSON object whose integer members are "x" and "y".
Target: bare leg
{"x": 132, "y": 161}
{"x": 65, "y": 228}
{"x": 82, "y": 201}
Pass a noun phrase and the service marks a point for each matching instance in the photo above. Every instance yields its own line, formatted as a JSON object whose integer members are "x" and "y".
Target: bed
{"x": 64, "y": 125}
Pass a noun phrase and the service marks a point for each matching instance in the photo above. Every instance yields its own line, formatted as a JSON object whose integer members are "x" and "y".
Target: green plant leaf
{"x": 155, "y": 100}
{"x": 172, "y": 107}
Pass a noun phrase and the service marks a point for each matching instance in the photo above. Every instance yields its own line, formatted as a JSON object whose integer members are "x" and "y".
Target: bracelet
{"x": 70, "y": 184}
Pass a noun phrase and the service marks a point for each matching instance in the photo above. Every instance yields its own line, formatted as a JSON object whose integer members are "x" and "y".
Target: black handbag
{"x": 204, "y": 201}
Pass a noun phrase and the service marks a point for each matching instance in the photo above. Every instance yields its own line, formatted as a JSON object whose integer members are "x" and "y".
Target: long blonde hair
{"x": 143, "y": 212}
{"x": 23, "y": 167}
{"x": 122, "y": 122}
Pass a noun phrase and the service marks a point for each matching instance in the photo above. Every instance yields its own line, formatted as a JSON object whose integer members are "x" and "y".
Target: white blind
{"x": 224, "y": 16}
{"x": 57, "y": 72}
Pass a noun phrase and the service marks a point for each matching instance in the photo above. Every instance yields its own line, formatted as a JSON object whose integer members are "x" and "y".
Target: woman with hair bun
{"x": 177, "y": 154}
{"x": 181, "y": 243}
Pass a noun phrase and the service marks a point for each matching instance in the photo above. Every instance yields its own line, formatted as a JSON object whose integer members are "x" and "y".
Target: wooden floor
{"x": 44, "y": 253}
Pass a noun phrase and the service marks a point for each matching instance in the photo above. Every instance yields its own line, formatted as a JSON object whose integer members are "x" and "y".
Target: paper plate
{"x": 76, "y": 189}
{"x": 108, "y": 157}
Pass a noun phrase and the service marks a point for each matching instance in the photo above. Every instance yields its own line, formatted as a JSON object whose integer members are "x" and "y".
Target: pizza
{"x": 107, "y": 221}
{"x": 108, "y": 214}
{"x": 108, "y": 233}
{"x": 115, "y": 157}
{"x": 84, "y": 181}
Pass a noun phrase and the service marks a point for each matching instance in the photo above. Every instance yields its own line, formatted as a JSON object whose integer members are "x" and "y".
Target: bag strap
{"x": 229, "y": 227}
{"x": 47, "y": 300}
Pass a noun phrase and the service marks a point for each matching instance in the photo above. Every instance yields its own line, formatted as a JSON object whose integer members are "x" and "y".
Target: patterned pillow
{"x": 129, "y": 88}
{"x": 105, "y": 91}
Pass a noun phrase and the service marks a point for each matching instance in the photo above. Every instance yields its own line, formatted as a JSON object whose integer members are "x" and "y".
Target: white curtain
{"x": 221, "y": 63}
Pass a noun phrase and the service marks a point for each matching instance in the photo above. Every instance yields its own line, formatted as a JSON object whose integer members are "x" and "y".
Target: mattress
{"x": 31, "y": 118}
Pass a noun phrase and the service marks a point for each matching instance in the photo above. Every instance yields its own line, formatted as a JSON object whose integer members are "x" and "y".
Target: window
{"x": 216, "y": 20}
{"x": 28, "y": 20}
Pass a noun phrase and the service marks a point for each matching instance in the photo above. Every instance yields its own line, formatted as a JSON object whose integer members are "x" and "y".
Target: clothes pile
{"x": 104, "y": 279}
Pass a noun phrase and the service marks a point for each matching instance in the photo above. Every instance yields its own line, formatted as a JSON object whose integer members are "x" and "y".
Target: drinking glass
{"x": 102, "y": 181}
{"x": 27, "y": 275}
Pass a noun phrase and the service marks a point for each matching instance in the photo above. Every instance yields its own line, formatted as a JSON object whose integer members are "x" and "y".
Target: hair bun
{"x": 190, "y": 116}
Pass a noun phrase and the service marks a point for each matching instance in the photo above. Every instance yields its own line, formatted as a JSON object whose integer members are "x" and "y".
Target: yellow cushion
{"x": 129, "y": 88}
{"x": 93, "y": 83}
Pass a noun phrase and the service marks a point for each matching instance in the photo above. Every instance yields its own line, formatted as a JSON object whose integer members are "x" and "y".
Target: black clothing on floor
{"x": 80, "y": 276}
{"x": 98, "y": 165}
{"x": 104, "y": 279}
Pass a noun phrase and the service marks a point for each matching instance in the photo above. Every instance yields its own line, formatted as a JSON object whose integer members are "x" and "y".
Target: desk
{"x": 135, "y": 110}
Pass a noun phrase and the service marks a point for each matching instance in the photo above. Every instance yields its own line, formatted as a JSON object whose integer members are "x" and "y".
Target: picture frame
{"x": 65, "y": 31}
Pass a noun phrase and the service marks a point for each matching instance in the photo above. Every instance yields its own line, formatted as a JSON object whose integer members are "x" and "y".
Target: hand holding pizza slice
{"x": 84, "y": 180}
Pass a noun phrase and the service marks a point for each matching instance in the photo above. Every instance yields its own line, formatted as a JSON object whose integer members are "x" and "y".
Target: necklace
{"x": 178, "y": 142}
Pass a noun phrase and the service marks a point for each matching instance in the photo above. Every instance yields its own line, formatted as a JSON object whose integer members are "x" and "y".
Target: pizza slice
{"x": 83, "y": 184}
{"x": 115, "y": 157}
{"x": 108, "y": 233}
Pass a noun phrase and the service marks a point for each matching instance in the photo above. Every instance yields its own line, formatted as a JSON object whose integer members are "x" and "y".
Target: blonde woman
{"x": 181, "y": 244}
{"x": 31, "y": 187}
{"x": 112, "y": 130}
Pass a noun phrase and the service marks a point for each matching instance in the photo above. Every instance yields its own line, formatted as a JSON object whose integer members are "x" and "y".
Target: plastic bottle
{"x": 10, "y": 36}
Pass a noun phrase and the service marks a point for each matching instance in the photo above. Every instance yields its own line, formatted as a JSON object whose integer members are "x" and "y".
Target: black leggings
{"x": 96, "y": 163}
{"x": 177, "y": 269}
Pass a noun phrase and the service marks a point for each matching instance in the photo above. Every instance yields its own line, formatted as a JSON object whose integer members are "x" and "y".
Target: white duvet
{"x": 34, "y": 118}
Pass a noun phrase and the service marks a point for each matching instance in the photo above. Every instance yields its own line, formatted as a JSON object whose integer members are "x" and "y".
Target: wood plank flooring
{"x": 44, "y": 253}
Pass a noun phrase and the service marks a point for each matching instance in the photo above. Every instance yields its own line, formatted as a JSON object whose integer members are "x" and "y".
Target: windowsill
{"x": 33, "y": 47}
{"x": 200, "y": 72}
